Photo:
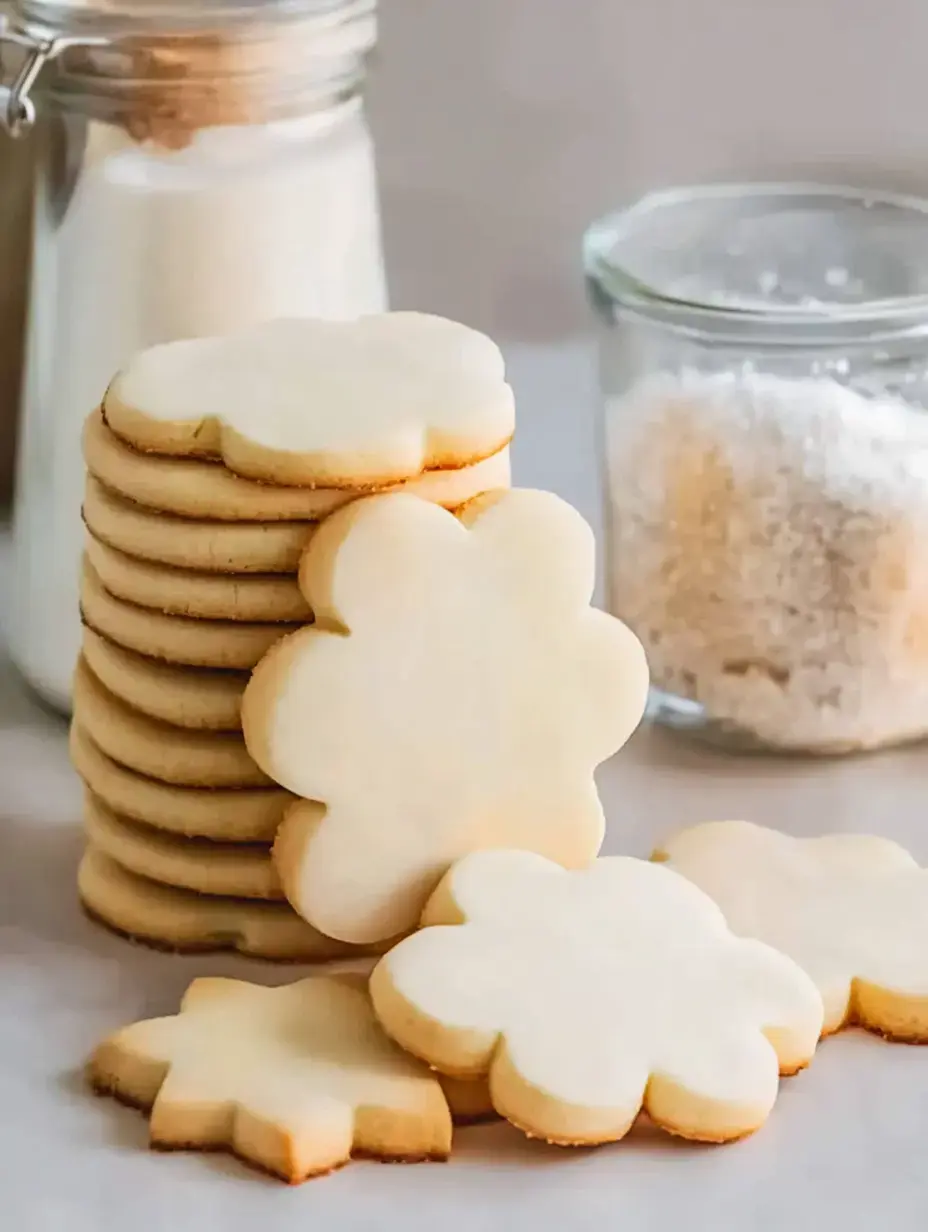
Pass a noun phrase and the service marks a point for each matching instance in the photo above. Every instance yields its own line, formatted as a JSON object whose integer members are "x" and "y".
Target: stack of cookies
{"x": 210, "y": 465}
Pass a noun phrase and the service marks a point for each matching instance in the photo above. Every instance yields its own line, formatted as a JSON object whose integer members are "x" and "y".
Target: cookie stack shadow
{"x": 189, "y": 577}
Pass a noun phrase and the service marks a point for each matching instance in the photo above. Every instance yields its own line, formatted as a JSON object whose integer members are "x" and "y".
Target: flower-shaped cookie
{"x": 295, "y": 1079}
{"x": 456, "y": 693}
{"x": 851, "y": 909}
{"x": 590, "y": 995}
{"x": 328, "y": 403}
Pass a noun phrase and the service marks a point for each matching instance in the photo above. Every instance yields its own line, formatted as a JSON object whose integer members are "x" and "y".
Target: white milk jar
{"x": 199, "y": 168}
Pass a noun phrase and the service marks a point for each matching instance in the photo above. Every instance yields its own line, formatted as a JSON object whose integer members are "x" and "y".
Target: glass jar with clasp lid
{"x": 197, "y": 168}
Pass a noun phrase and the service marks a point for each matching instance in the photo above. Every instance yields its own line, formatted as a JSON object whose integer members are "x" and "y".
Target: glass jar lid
{"x": 119, "y": 18}
{"x": 783, "y": 262}
{"x": 169, "y": 64}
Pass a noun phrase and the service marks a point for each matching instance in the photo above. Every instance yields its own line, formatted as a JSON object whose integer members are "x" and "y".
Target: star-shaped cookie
{"x": 294, "y": 1079}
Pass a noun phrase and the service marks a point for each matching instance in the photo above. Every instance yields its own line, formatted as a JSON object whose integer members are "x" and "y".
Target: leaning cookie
{"x": 296, "y": 1080}
{"x": 850, "y": 909}
{"x": 459, "y": 662}
{"x": 590, "y": 996}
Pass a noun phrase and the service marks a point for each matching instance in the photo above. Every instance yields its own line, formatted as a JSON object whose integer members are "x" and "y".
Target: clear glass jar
{"x": 764, "y": 360}
{"x": 193, "y": 175}
{"x": 15, "y": 228}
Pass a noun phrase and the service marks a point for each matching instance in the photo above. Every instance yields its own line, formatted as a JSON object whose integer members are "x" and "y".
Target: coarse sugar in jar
{"x": 764, "y": 362}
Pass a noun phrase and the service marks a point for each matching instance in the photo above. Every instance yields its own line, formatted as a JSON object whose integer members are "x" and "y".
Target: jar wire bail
{"x": 42, "y": 46}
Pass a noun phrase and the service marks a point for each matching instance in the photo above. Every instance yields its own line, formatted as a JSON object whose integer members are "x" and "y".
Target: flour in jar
{"x": 169, "y": 232}
{"x": 769, "y": 545}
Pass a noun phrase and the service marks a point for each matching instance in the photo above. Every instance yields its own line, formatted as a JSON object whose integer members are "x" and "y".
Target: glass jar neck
{"x": 164, "y": 82}
{"x": 766, "y": 265}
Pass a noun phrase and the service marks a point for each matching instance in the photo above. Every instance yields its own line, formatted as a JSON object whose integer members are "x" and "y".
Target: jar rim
{"x": 117, "y": 19}
{"x": 669, "y": 255}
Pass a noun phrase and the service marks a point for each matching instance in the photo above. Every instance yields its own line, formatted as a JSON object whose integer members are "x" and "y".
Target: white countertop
{"x": 846, "y": 1142}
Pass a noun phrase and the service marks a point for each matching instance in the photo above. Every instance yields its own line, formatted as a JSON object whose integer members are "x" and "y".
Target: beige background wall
{"x": 505, "y": 125}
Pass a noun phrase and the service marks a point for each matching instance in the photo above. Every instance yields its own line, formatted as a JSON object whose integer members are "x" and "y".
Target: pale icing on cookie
{"x": 589, "y": 995}
{"x": 457, "y": 692}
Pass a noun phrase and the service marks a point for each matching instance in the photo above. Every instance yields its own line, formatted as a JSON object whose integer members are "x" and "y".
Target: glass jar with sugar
{"x": 198, "y": 168}
{"x": 764, "y": 361}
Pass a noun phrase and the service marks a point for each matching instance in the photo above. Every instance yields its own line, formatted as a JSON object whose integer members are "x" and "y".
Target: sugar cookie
{"x": 589, "y": 996}
{"x": 463, "y": 668}
{"x": 227, "y": 644}
{"x": 179, "y": 920}
{"x": 296, "y": 1079}
{"x": 239, "y": 870}
{"x": 187, "y": 592}
{"x": 193, "y": 489}
{"x": 321, "y": 403}
{"x": 232, "y": 815}
{"x": 171, "y": 754}
{"x": 209, "y": 547}
{"x": 850, "y": 909}
{"x": 196, "y": 697}
{"x": 468, "y": 1099}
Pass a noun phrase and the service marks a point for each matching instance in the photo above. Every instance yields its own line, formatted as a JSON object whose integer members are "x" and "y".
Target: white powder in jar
{"x": 769, "y": 545}
{"x": 163, "y": 233}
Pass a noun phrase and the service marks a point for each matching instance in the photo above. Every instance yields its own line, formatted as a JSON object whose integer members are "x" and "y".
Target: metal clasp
{"x": 17, "y": 108}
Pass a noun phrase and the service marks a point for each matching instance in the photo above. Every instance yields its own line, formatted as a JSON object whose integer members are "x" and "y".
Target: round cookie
{"x": 230, "y": 815}
{"x": 240, "y": 870}
{"x": 234, "y": 644}
{"x": 194, "y": 489}
{"x": 204, "y": 596}
{"x": 317, "y": 403}
{"x": 180, "y": 920}
{"x": 208, "y": 546}
{"x": 159, "y": 750}
{"x": 199, "y": 698}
